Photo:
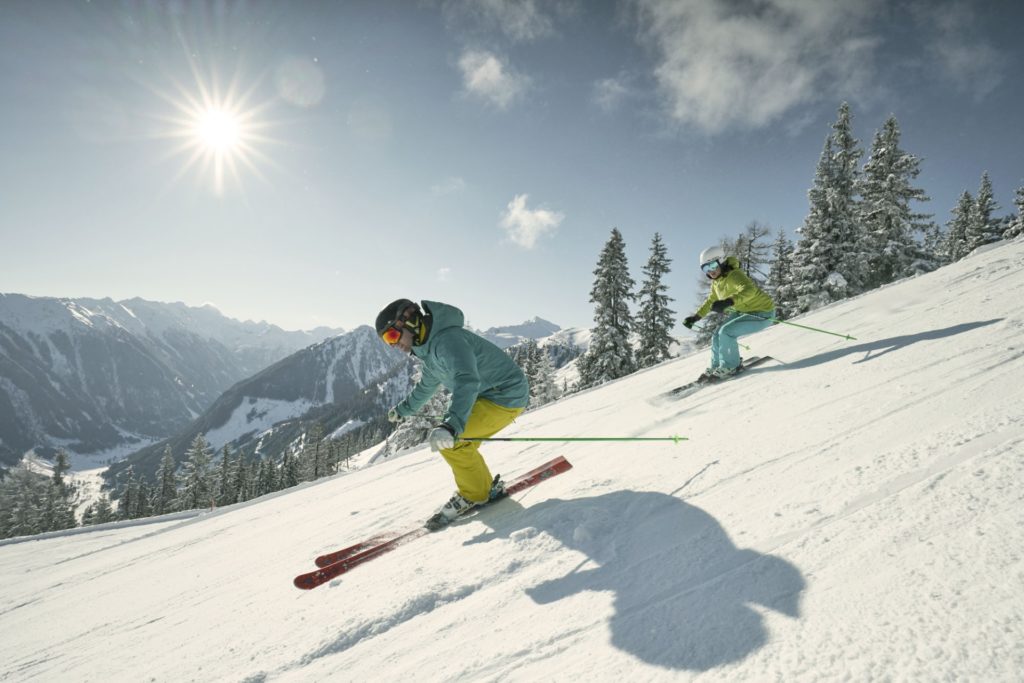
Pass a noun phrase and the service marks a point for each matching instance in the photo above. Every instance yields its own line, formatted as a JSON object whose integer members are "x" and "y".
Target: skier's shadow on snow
{"x": 683, "y": 592}
{"x": 881, "y": 346}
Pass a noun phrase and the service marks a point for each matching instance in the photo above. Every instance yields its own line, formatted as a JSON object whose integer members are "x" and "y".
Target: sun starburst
{"x": 219, "y": 132}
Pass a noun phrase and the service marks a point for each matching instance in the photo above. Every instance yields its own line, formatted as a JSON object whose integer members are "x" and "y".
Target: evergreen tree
{"x": 956, "y": 246}
{"x": 60, "y": 499}
{"x": 21, "y": 499}
{"x": 891, "y": 225}
{"x": 611, "y": 354}
{"x": 129, "y": 491}
{"x": 542, "y": 382}
{"x": 197, "y": 489}
{"x": 983, "y": 228}
{"x": 165, "y": 498}
{"x": 780, "y": 276}
{"x": 102, "y": 511}
{"x": 291, "y": 473}
{"x": 655, "y": 320}
{"x": 241, "y": 480}
{"x": 832, "y": 248}
{"x": 226, "y": 494}
{"x": 934, "y": 245}
{"x": 1016, "y": 225}
{"x": 144, "y": 500}
{"x": 315, "y": 453}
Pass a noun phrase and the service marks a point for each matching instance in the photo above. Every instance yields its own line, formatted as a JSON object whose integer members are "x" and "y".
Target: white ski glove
{"x": 393, "y": 416}
{"x": 442, "y": 437}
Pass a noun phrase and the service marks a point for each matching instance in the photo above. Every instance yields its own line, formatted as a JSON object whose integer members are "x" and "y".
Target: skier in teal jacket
{"x": 488, "y": 392}
{"x": 747, "y": 307}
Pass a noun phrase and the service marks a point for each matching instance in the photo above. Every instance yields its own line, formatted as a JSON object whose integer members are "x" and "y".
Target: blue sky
{"x": 477, "y": 153}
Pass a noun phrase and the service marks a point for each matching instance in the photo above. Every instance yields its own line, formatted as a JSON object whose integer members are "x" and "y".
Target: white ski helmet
{"x": 712, "y": 254}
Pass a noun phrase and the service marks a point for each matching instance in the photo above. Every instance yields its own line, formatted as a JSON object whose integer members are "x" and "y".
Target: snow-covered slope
{"x": 852, "y": 512}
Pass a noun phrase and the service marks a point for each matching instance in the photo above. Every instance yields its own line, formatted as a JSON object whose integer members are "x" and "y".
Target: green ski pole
{"x": 675, "y": 439}
{"x": 803, "y": 327}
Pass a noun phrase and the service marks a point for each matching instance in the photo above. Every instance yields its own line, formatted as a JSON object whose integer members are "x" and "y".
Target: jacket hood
{"x": 442, "y": 316}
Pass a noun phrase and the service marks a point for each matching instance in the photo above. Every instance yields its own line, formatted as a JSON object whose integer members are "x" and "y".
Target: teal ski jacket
{"x": 467, "y": 365}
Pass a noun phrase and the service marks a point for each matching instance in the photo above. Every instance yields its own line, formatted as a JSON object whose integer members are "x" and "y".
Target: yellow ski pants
{"x": 472, "y": 477}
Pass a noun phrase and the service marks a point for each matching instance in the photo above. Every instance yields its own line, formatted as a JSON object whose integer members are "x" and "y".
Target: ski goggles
{"x": 710, "y": 266}
{"x": 391, "y": 335}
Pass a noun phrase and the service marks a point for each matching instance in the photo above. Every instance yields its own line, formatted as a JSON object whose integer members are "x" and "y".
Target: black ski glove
{"x": 721, "y": 305}
{"x": 691, "y": 321}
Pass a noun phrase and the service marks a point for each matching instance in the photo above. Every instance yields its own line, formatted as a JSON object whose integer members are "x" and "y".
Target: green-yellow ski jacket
{"x": 747, "y": 297}
{"x": 467, "y": 365}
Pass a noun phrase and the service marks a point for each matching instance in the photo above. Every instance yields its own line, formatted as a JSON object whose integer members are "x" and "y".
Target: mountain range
{"x": 99, "y": 376}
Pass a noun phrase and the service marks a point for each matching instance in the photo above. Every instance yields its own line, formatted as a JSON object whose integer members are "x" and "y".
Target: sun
{"x": 220, "y": 132}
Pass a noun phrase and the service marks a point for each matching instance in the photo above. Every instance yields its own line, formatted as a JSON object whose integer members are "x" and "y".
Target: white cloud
{"x": 519, "y": 20}
{"x": 443, "y": 274}
{"x": 486, "y": 76}
{"x": 452, "y": 185}
{"x": 744, "y": 65}
{"x": 610, "y": 92}
{"x": 524, "y": 225}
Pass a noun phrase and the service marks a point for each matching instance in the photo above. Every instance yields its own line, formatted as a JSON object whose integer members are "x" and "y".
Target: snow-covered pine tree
{"x": 197, "y": 487}
{"x": 241, "y": 479}
{"x": 128, "y": 503}
{"x": 934, "y": 244}
{"x": 655, "y": 319}
{"x": 831, "y": 252}
{"x": 165, "y": 498}
{"x": 102, "y": 511}
{"x": 21, "y": 495}
{"x": 983, "y": 227}
{"x": 780, "y": 276}
{"x": 542, "y": 382}
{"x": 956, "y": 246}
{"x": 891, "y": 225}
{"x": 1016, "y": 226}
{"x": 314, "y": 453}
{"x": 58, "y": 510}
{"x": 226, "y": 494}
{"x": 291, "y": 473}
{"x": 610, "y": 355}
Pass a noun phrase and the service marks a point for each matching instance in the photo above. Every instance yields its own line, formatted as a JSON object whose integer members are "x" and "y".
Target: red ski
{"x": 341, "y": 561}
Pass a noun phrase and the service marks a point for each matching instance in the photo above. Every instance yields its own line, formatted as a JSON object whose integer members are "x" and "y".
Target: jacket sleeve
{"x": 705, "y": 307}
{"x": 420, "y": 394}
{"x": 460, "y": 361}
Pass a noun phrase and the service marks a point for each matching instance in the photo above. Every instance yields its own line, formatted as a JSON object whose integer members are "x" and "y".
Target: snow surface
{"x": 852, "y": 512}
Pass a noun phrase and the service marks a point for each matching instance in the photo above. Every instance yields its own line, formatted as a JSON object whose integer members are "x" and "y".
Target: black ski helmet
{"x": 404, "y": 313}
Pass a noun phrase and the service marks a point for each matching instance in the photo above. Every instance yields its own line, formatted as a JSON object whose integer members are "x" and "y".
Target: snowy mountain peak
{"x": 510, "y": 335}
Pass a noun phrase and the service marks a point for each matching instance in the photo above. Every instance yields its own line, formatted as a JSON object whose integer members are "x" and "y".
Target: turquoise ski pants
{"x": 725, "y": 351}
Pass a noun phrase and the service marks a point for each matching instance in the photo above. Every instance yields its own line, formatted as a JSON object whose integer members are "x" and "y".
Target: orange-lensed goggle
{"x": 391, "y": 335}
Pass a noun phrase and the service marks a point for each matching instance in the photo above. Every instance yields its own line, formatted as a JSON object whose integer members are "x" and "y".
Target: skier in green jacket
{"x": 747, "y": 307}
{"x": 488, "y": 392}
